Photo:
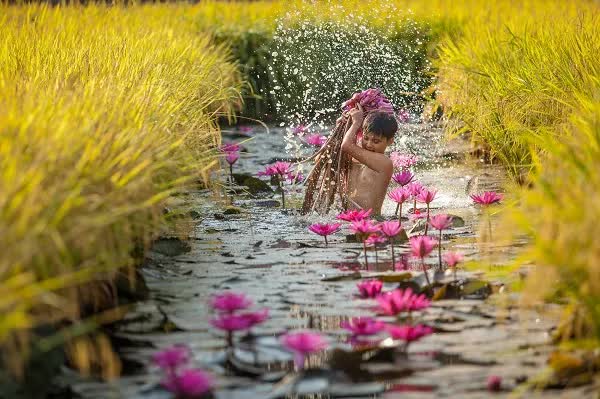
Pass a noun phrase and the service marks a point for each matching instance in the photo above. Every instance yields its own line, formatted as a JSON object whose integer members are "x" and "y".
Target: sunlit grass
{"x": 105, "y": 111}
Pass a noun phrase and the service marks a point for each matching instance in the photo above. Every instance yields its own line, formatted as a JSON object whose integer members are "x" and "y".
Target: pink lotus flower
{"x": 302, "y": 344}
{"x": 371, "y": 100}
{"x": 245, "y": 130}
{"x": 363, "y": 326}
{"x": 440, "y": 222}
{"x": 421, "y": 246}
{"x": 278, "y": 168}
{"x": 230, "y": 147}
{"x": 415, "y": 188}
{"x": 232, "y": 157}
{"x": 171, "y": 358}
{"x": 452, "y": 258}
{"x": 295, "y": 177}
{"x": 399, "y": 195}
{"x": 426, "y": 196}
{"x": 390, "y": 228}
{"x": 409, "y": 333}
{"x": 417, "y": 215}
{"x": 229, "y": 302}
{"x": 354, "y": 215}
{"x": 487, "y": 198}
{"x": 190, "y": 383}
{"x": 315, "y": 140}
{"x": 403, "y": 178}
{"x": 299, "y": 130}
{"x": 402, "y": 161}
{"x": 364, "y": 227}
{"x": 375, "y": 239}
{"x": 494, "y": 383}
{"x": 397, "y": 301}
{"x": 369, "y": 288}
{"x": 257, "y": 317}
{"x": 232, "y": 322}
{"x": 324, "y": 229}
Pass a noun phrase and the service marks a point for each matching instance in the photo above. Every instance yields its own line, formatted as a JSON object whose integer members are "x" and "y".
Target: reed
{"x": 105, "y": 112}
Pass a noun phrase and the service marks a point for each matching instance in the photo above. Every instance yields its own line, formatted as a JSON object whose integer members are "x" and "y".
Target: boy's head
{"x": 379, "y": 129}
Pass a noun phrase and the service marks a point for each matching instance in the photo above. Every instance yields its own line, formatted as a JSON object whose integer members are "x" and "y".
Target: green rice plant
{"x": 104, "y": 112}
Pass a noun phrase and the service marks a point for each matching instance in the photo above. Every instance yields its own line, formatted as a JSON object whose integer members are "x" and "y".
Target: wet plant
{"x": 420, "y": 247}
{"x": 408, "y": 333}
{"x": 426, "y": 196}
{"x": 302, "y": 344}
{"x": 354, "y": 215}
{"x": 324, "y": 229}
{"x": 179, "y": 379}
{"x": 363, "y": 229}
{"x": 362, "y": 326}
{"x": 415, "y": 189}
{"x": 485, "y": 200}
{"x": 369, "y": 288}
{"x": 375, "y": 240}
{"x": 399, "y": 196}
{"x": 440, "y": 222}
{"x": 396, "y": 302}
{"x": 280, "y": 172}
{"x": 403, "y": 162}
{"x": 391, "y": 229}
{"x": 452, "y": 259}
{"x": 403, "y": 178}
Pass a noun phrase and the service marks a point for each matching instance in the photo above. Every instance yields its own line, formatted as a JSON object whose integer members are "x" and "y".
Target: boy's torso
{"x": 367, "y": 188}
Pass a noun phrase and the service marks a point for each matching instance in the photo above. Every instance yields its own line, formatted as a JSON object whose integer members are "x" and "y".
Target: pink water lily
{"x": 409, "y": 333}
{"x": 403, "y": 178}
{"x": 421, "y": 246}
{"x": 278, "y": 168}
{"x": 364, "y": 227}
{"x": 402, "y": 161}
{"x": 370, "y": 100}
{"x": 363, "y": 326}
{"x": 230, "y": 147}
{"x": 391, "y": 229}
{"x": 190, "y": 383}
{"x": 487, "y": 198}
{"x": 397, "y": 301}
{"x": 257, "y": 317}
{"x": 231, "y": 322}
{"x": 440, "y": 222}
{"x": 354, "y": 215}
{"x": 452, "y": 259}
{"x": 232, "y": 157}
{"x": 230, "y": 302}
{"x": 324, "y": 229}
{"x": 172, "y": 358}
{"x": 302, "y": 344}
{"x": 299, "y": 130}
{"x": 369, "y": 288}
{"x": 245, "y": 130}
{"x": 426, "y": 196}
{"x": 494, "y": 383}
{"x": 295, "y": 177}
{"x": 315, "y": 140}
{"x": 375, "y": 239}
{"x": 415, "y": 188}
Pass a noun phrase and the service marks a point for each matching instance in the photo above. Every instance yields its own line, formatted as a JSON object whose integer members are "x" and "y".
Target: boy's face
{"x": 375, "y": 143}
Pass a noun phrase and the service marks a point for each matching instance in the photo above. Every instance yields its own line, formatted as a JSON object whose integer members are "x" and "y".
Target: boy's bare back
{"x": 371, "y": 170}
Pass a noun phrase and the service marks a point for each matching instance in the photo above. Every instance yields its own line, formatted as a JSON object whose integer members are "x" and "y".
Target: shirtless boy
{"x": 371, "y": 170}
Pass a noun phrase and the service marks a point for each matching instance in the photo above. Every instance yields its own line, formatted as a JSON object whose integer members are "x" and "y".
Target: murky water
{"x": 270, "y": 255}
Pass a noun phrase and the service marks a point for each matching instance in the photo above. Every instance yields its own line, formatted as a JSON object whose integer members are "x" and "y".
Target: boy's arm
{"x": 375, "y": 161}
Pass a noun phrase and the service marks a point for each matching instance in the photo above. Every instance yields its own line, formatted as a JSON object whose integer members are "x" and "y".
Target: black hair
{"x": 380, "y": 124}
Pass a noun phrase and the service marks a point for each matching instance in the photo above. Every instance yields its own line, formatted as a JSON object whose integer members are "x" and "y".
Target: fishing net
{"x": 329, "y": 176}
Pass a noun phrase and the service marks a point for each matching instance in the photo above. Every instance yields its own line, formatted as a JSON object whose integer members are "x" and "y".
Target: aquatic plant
{"x": 415, "y": 189}
{"x": 452, "y": 259}
{"x": 403, "y": 178}
{"x": 363, "y": 326}
{"x": 363, "y": 229}
{"x": 391, "y": 229}
{"x": 354, "y": 215}
{"x": 302, "y": 344}
{"x": 440, "y": 222}
{"x": 229, "y": 147}
{"x": 398, "y": 301}
{"x": 299, "y": 130}
{"x": 280, "y": 171}
{"x": 374, "y": 240}
{"x": 494, "y": 383}
{"x": 231, "y": 158}
{"x": 315, "y": 140}
{"x": 399, "y": 196}
{"x": 369, "y": 288}
{"x": 324, "y": 229}
{"x": 487, "y": 198}
{"x": 426, "y": 196}
{"x": 403, "y": 161}
{"x": 229, "y": 302}
{"x": 189, "y": 383}
{"x": 421, "y": 246}
{"x": 408, "y": 333}
{"x": 171, "y": 359}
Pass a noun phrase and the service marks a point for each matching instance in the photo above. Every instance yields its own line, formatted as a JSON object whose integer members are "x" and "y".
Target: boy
{"x": 371, "y": 170}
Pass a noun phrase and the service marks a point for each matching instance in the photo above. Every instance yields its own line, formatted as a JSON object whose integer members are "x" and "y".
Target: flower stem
{"x": 427, "y": 221}
{"x": 282, "y": 195}
{"x": 426, "y": 275}
{"x": 454, "y": 269}
{"x": 365, "y": 251}
{"x": 393, "y": 256}
{"x": 400, "y": 214}
{"x": 231, "y": 173}
{"x": 397, "y": 207}
{"x": 440, "y": 250}
{"x": 325, "y": 240}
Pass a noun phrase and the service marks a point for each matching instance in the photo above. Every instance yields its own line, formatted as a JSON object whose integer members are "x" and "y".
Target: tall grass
{"x": 104, "y": 112}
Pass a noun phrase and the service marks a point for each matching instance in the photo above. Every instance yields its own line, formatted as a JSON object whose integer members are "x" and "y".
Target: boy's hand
{"x": 357, "y": 115}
